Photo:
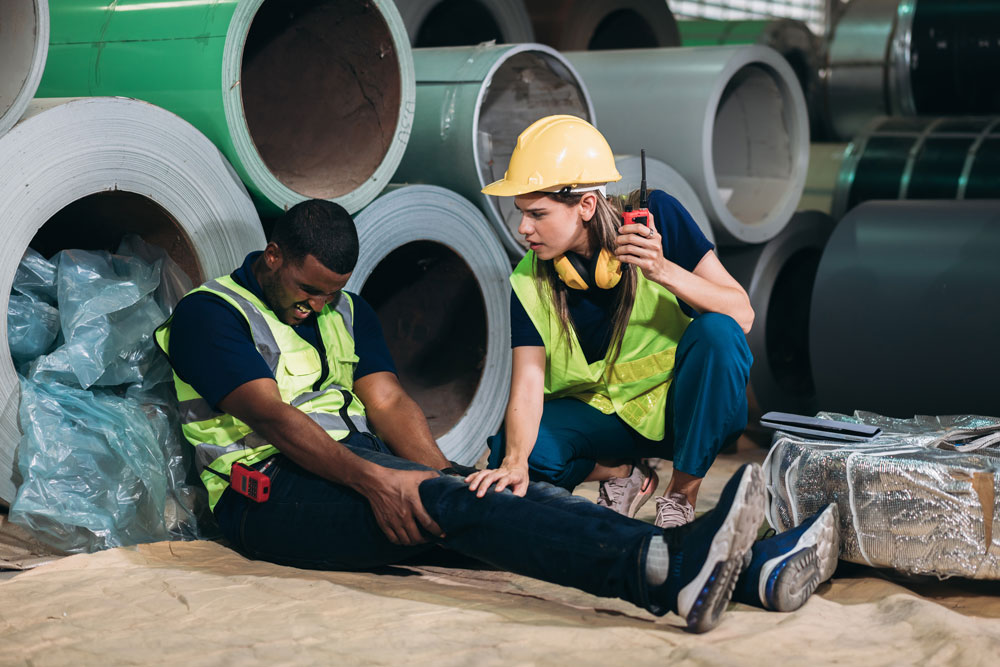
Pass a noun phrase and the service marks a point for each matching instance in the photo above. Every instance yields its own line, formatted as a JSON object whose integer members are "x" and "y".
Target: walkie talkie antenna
{"x": 642, "y": 184}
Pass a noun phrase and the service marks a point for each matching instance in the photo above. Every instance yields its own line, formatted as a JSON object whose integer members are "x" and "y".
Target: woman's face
{"x": 551, "y": 228}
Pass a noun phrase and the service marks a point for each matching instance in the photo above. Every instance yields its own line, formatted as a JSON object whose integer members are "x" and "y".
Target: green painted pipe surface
{"x": 720, "y": 33}
{"x": 193, "y": 57}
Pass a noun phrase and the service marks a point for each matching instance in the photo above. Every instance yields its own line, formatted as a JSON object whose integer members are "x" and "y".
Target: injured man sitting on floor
{"x": 314, "y": 456}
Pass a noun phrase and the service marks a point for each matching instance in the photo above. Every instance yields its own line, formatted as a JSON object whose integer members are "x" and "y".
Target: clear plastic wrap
{"x": 32, "y": 319}
{"x": 910, "y": 499}
{"x": 102, "y": 458}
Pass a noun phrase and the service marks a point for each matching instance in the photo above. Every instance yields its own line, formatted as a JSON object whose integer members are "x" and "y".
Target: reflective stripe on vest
{"x": 636, "y": 386}
{"x": 220, "y": 439}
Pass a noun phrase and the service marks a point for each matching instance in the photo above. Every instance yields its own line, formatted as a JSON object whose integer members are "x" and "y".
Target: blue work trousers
{"x": 706, "y": 410}
{"x": 311, "y": 522}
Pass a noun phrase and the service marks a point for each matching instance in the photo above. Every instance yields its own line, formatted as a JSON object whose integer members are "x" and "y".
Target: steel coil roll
{"x": 904, "y": 57}
{"x": 905, "y": 310}
{"x": 921, "y": 158}
{"x": 83, "y": 173}
{"x": 437, "y": 276}
{"x": 306, "y": 98}
{"x": 582, "y": 25}
{"x": 462, "y": 23}
{"x": 24, "y": 43}
{"x": 472, "y": 103}
{"x": 660, "y": 176}
{"x": 778, "y": 276}
{"x": 825, "y": 161}
{"x": 731, "y": 119}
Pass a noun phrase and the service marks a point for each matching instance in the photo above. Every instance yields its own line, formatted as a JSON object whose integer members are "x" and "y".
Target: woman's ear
{"x": 588, "y": 206}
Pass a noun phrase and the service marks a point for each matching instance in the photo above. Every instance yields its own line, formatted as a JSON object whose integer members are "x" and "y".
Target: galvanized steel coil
{"x": 432, "y": 23}
{"x": 436, "y": 275}
{"x": 82, "y": 173}
{"x": 580, "y": 25}
{"x": 904, "y": 57}
{"x": 306, "y": 98}
{"x": 731, "y": 119}
{"x": 660, "y": 176}
{"x": 24, "y": 43}
{"x": 825, "y": 160}
{"x": 778, "y": 276}
{"x": 921, "y": 158}
{"x": 472, "y": 103}
{"x": 905, "y": 311}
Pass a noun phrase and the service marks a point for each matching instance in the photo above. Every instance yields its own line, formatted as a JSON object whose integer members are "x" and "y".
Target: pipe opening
{"x": 623, "y": 29}
{"x": 321, "y": 91}
{"x": 100, "y": 221}
{"x": 525, "y": 87}
{"x": 434, "y": 319}
{"x": 787, "y": 335}
{"x": 752, "y": 145}
{"x": 458, "y": 23}
{"x": 18, "y": 36}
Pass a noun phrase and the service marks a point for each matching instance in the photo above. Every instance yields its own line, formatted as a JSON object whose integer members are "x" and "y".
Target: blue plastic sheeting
{"x": 101, "y": 459}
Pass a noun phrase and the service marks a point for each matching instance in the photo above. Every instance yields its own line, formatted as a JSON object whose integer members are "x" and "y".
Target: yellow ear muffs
{"x": 603, "y": 270}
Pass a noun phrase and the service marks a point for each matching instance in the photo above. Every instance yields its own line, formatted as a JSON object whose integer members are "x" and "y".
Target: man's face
{"x": 296, "y": 290}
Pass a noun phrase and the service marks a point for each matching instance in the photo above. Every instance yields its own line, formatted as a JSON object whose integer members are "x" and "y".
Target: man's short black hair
{"x": 319, "y": 228}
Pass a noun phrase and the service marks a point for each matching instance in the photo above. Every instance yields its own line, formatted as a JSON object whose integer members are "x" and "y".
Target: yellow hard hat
{"x": 554, "y": 152}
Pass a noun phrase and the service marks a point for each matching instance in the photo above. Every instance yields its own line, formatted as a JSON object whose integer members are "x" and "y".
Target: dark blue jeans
{"x": 706, "y": 410}
{"x": 310, "y": 522}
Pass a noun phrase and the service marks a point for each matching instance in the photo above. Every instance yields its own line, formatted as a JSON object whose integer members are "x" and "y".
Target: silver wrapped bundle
{"x": 920, "y": 498}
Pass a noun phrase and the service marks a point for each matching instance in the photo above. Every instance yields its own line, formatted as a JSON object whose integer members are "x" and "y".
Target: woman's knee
{"x": 716, "y": 334}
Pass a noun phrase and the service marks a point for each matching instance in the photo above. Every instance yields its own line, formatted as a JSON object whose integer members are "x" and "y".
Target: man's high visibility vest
{"x": 636, "y": 387}
{"x": 221, "y": 439}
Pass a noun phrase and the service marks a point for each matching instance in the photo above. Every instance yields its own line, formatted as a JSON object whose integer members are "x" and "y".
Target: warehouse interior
{"x": 842, "y": 157}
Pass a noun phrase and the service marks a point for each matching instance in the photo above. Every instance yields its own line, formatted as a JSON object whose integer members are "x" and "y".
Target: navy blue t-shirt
{"x": 212, "y": 349}
{"x": 684, "y": 244}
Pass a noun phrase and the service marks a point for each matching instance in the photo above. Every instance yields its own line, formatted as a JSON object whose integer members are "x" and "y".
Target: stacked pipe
{"x": 24, "y": 39}
{"x": 576, "y": 25}
{"x": 462, "y": 23}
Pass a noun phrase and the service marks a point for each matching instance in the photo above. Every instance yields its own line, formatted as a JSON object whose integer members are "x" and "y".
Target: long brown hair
{"x": 602, "y": 230}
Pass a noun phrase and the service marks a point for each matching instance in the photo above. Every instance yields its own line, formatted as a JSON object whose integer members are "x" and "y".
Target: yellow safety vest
{"x": 219, "y": 439}
{"x": 636, "y": 387}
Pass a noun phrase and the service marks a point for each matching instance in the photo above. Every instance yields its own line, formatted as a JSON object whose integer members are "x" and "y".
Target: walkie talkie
{"x": 641, "y": 215}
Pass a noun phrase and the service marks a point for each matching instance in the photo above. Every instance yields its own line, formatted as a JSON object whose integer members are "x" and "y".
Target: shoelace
{"x": 669, "y": 509}
{"x": 613, "y": 489}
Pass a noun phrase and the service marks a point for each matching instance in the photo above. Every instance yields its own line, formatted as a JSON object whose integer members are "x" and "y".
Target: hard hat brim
{"x": 504, "y": 188}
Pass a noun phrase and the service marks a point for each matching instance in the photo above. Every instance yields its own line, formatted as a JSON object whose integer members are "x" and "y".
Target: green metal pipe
{"x": 306, "y": 98}
{"x": 472, "y": 103}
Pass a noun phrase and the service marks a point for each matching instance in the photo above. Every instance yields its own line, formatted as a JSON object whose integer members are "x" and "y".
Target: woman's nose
{"x": 525, "y": 227}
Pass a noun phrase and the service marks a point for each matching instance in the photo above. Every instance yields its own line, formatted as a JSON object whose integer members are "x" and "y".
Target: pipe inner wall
{"x": 24, "y": 43}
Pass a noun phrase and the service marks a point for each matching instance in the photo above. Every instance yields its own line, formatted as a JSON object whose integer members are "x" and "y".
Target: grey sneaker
{"x": 626, "y": 495}
{"x": 673, "y": 510}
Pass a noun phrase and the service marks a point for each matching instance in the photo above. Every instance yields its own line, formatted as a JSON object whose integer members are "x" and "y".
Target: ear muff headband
{"x": 603, "y": 270}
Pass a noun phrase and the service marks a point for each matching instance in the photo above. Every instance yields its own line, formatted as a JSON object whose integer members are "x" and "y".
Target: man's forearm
{"x": 402, "y": 426}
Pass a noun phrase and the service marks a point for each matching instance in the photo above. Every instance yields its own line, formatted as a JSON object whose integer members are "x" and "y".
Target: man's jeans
{"x": 310, "y": 522}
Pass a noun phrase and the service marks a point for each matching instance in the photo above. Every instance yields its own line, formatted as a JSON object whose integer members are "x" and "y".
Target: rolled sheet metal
{"x": 825, "y": 160}
{"x": 589, "y": 25}
{"x": 792, "y": 39}
{"x": 731, "y": 119}
{"x": 472, "y": 103}
{"x": 778, "y": 276}
{"x": 905, "y": 310}
{"x": 24, "y": 44}
{"x": 436, "y": 274}
{"x": 82, "y": 173}
{"x": 462, "y": 23}
{"x": 660, "y": 176}
{"x": 921, "y": 158}
{"x": 907, "y": 499}
{"x": 306, "y": 98}
{"x": 904, "y": 57}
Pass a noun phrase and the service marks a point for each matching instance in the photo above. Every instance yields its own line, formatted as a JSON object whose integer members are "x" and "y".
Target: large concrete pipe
{"x": 24, "y": 44}
{"x": 307, "y": 98}
{"x": 465, "y": 22}
{"x": 904, "y": 57}
{"x": 437, "y": 276}
{"x": 582, "y": 25}
{"x": 83, "y": 173}
{"x": 472, "y": 103}
{"x": 731, "y": 119}
{"x": 825, "y": 160}
{"x": 905, "y": 310}
{"x": 921, "y": 158}
{"x": 660, "y": 176}
{"x": 778, "y": 276}
{"x": 792, "y": 39}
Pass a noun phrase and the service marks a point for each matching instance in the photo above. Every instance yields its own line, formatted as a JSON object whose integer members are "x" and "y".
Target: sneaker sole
{"x": 643, "y": 497}
{"x": 708, "y": 594}
{"x": 814, "y": 557}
